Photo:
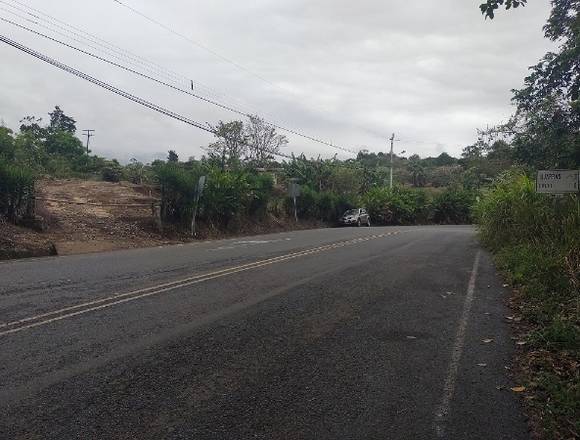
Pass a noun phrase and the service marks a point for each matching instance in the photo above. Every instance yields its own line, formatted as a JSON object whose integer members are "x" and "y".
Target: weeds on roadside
{"x": 536, "y": 241}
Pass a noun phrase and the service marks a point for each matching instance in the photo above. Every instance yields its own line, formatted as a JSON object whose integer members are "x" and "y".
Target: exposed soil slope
{"x": 81, "y": 216}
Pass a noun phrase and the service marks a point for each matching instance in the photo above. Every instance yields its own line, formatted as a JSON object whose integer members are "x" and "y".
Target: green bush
{"x": 177, "y": 192}
{"x": 261, "y": 191}
{"x": 225, "y": 197}
{"x": 112, "y": 171}
{"x": 326, "y": 206}
{"x": 453, "y": 206}
{"x": 7, "y": 148}
{"x": 512, "y": 212}
{"x": 536, "y": 239}
{"x": 136, "y": 172}
{"x": 307, "y": 204}
{"x": 397, "y": 206}
{"x": 16, "y": 191}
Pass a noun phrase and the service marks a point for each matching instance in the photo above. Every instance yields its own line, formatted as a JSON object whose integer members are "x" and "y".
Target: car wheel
{"x": 358, "y": 223}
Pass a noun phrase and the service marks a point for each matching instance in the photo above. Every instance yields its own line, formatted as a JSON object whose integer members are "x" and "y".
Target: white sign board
{"x": 557, "y": 181}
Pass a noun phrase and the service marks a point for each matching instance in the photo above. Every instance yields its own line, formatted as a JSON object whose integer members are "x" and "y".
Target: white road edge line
{"x": 442, "y": 413}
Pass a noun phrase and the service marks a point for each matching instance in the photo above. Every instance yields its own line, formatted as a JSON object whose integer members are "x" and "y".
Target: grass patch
{"x": 536, "y": 242}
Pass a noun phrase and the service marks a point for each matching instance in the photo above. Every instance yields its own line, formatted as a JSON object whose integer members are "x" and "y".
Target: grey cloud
{"x": 349, "y": 72}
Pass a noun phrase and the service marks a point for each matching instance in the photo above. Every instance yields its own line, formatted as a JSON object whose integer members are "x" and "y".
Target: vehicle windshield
{"x": 351, "y": 212}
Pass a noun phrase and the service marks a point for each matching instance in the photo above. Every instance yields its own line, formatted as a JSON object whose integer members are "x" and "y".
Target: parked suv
{"x": 356, "y": 217}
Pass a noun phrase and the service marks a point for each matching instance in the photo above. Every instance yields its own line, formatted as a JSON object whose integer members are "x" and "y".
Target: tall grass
{"x": 16, "y": 191}
{"x": 177, "y": 187}
{"x": 512, "y": 212}
{"x": 536, "y": 241}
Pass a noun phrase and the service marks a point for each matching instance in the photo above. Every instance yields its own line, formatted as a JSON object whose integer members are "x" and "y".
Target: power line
{"x": 113, "y": 63}
{"x": 118, "y": 53}
{"x": 104, "y": 46}
{"x": 202, "y": 46}
{"x": 111, "y": 88}
{"x": 59, "y": 24}
{"x": 187, "y": 92}
{"x": 114, "y": 55}
{"x": 194, "y": 42}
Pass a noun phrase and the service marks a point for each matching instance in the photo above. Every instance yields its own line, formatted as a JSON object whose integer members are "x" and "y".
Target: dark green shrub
{"x": 307, "y": 204}
{"x": 7, "y": 148}
{"x": 16, "y": 191}
{"x": 512, "y": 212}
{"x": 225, "y": 196}
{"x": 394, "y": 205}
{"x": 331, "y": 205}
{"x": 177, "y": 192}
{"x": 453, "y": 206}
{"x": 261, "y": 190}
{"x": 112, "y": 171}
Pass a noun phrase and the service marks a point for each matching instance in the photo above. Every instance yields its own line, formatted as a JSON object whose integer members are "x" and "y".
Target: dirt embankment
{"x": 82, "y": 216}
{"x": 85, "y": 216}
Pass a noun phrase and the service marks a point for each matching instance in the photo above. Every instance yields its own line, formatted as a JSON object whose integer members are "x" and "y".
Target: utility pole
{"x": 392, "y": 146}
{"x": 89, "y": 134}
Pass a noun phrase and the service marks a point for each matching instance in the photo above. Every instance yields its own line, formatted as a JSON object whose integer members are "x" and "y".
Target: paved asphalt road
{"x": 355, "y": 333}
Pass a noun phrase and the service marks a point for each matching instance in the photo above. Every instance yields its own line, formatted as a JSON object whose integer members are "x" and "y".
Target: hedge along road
{"x": 341, "y": 333}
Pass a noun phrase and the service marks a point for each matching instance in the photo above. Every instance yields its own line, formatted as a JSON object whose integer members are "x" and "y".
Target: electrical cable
{"x": 197, "y": 96}
{"x": 110, "y": 88}
{"x": 192, "y": 41}
{"x": 118, "y": 52}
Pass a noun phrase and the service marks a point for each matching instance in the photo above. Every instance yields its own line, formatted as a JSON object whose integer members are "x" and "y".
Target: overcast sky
{"x": 347, "y": 72}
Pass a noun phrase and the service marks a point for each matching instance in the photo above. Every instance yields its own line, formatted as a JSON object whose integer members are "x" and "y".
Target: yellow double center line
{"x": 121, "y": 298}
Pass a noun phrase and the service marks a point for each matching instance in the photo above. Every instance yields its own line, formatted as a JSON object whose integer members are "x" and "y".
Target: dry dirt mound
{"x": 88, "y": 216}
{"x": 85, "y": 216}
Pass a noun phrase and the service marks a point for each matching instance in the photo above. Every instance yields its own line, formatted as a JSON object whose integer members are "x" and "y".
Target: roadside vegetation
{"x": 536, "y": 241}
{"x": 536, "y": 237}
{"x": 248, "y": 179}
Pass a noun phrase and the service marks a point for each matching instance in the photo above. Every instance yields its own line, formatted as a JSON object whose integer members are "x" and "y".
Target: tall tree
{"x": 61, "y": 122}
{"x": 546, "y": 127}
{"x": 6, "y": 143}
{"x": 417, "y": 170}
{"x": 231, "y": 143}
{"x": 172, "y": 156}
{"x": 263, "y": 140}
{"x": 32, "y": 126}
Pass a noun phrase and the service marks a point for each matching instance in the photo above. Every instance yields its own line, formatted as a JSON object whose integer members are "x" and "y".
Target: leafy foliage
{"x": 225, "y": 197}
{"x": 537, "y": 244}
{"x": 172, "y": 156}
{"x": 545, "y": 131}
{"x": 61, "y": 122}
{"x": 244, "y": 181}
{"x": 112, "y": 171}
{"x": 231, "y": 146}
{"x": 16, "y": 191}
{"x": 396, "y": 206}
{"x": 263, "y": 141}
{"x": 453, "y": 206}
{"x": 488, "y": 8}
{"x": 177, "y": 187}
